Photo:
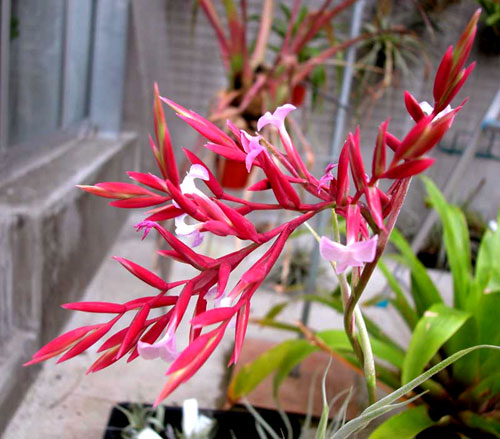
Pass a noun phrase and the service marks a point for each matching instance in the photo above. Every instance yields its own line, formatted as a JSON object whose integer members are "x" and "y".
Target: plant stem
{"x": 345, "y": 290}
{"x": 369, "y": 361}
{"x": 362, "y": 347}
{"x": 351, "y": 310}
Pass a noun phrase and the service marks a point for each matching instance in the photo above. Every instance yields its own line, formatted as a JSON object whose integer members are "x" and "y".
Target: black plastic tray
{"x": 237, "y": 422}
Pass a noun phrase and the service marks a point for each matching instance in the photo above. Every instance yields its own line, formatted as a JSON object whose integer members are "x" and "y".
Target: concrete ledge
{"x": 52, "y": 240}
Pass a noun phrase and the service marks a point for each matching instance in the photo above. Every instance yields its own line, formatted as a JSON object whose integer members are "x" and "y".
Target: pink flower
{"x": 327, "y": 177}
{"x": 164, "y": 349}
{"x": 277, "y": 118}
{"x": 354, "y": 254}
{"x": 252, "y": 147}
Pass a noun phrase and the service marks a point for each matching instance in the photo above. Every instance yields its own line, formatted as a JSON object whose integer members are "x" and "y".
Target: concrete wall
{"x": 53, "y": 237}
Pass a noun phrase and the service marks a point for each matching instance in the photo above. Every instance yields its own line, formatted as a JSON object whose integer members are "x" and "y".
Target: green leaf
{"x": 295, "y": 355}
{"x": 434, "y": 329}
{"x": 286, "y": 10}
{"x": 456, "y": 240}
{"x": 488, "y": 311}
{"x": 250, "y": 375}
{"x": 323, "y": 421}
{"x": 465, "y": 370}
{"x": 405, "y": 425}
{"x": 400, "y": 302}
{"x": 275, "y": 310}
{"x": 334, "y": 302}
{"x": 270, "y": 323}
{"x": 385, "y": 404}
{"x": 490, "y": 424}
{"x": 487, "y": 263}
{"x": 493, "y": 19}
{"x": 486, "y": 388}
{"x": 337, "y": 340}
{"x": 424, "y": 292}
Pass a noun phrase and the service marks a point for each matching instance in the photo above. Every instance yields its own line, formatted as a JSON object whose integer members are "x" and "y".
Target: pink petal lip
{"x": 252, "y": 147}
{"x": 277, "y": 118}
{"x": 223, "y": 301}
{"x": 164, "y": 349}
{"x": 355, "y": 254}
{"x": 327, "y": 176}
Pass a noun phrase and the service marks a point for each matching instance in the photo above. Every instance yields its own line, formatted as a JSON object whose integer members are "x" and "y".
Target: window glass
{"x": 49, "y": 58}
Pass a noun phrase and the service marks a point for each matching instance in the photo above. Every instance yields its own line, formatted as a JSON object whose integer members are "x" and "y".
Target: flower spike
{"x": 220, "y": 298}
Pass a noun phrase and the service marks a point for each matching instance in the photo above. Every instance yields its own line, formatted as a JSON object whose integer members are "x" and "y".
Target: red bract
{"x": 369, "y": 212}
{"x": 451, "y": 76}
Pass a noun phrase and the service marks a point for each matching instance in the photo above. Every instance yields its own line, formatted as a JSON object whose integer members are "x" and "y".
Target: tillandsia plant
{"x": 370, "y": 215}
{"x": 390, "y": 52}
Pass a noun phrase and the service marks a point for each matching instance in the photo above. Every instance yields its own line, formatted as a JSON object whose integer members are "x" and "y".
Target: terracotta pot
{"x": 298, "y": 95}
{"x": 232, "y": 174}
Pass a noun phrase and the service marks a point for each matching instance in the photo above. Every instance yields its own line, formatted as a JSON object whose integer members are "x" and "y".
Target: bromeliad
{"x": 370, "y": 213}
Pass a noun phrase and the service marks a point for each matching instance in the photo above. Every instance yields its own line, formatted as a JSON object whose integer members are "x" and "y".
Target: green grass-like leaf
{"x": 253, "y": 373}
{"x": 434, "y": 329}
{"x": 385, "y": 404}
{"x": 424, "y": 292}
{"x": 405, "y": 425}
{"x": 456, "y": 240}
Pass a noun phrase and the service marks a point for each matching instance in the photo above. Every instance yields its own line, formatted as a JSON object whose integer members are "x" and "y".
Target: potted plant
{"x": 222, "y": 303}
{"x": 257, "y": 83}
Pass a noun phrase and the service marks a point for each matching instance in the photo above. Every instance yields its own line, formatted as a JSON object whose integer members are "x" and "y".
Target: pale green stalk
{"x": 362, "y": 348}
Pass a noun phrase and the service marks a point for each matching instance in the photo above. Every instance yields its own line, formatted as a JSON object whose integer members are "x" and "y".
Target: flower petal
{"x": 330, "y": 250}
{"x": 277, "y": 118}
{"x": 251, "y": 156}
{"x": 282, "y": 112}
{"x": 198, "y": 171}
{"x": 164, "y": 349}
{"x": 195, "y": 238}
{"x": 211, "y": 294}
{"x": 188, "y": 185}
{"x": 190, "y": 231}
{"x": 181, "y": 228}
{"x": 364, "y": 251}
{"x": 426, "y": 108}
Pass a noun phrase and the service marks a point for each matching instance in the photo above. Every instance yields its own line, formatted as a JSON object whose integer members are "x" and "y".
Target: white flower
{"x": 428, "y": 109}
{"x": 190, "y": 231}
{"x": 188, "y": 185}
{"x": 194, "y": 425}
